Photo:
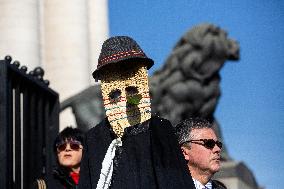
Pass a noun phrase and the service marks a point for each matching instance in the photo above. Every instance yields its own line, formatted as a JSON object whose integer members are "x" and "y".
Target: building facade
{"x": 63, "y": 37}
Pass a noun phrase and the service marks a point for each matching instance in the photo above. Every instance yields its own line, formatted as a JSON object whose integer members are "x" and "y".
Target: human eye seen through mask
{"x": 132, "y": 95}
{"x": 115, "y": 95}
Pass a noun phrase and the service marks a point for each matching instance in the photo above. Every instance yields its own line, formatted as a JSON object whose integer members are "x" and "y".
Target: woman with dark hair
{"x": 68, "y": 147}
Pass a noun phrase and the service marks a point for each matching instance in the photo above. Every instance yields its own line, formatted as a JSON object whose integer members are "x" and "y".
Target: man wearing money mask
{"x": 130, "y": 148}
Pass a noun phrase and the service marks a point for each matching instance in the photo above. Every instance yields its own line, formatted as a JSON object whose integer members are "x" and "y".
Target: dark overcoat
{"x": 218, "y": 185}
{"x": 149, "y": 158}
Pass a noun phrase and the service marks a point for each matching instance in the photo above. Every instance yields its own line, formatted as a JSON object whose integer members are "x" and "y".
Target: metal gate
{"x": 29, "y": 123}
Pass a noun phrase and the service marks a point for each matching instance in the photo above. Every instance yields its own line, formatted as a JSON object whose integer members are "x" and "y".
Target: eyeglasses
{"x": 207, "y": 143}
{"x": 74, "y": 145}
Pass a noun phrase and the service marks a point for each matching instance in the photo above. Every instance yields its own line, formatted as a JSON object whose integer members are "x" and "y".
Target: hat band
{"x": 120, "y": 55}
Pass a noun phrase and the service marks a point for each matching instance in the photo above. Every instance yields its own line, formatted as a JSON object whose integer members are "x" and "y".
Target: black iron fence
{"x": 29, "y": 114}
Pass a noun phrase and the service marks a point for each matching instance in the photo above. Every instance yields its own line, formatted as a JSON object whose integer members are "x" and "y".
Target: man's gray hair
{"x": 184, "y": 128}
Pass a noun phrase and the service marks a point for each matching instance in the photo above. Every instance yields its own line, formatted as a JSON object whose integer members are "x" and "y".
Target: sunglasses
{"x": 207, "y": 143}
{"x": 74, "y": 145}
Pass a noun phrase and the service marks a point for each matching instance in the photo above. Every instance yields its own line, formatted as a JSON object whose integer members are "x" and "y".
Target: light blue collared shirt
{"x": 198, "y": 185}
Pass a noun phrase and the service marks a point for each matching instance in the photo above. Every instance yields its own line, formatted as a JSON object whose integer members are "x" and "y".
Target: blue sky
{"x": 251, "y": 108}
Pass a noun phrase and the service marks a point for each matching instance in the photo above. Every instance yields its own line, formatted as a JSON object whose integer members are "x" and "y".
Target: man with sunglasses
{"x": 201, "y": 150}
{"x": 68, "y": 147}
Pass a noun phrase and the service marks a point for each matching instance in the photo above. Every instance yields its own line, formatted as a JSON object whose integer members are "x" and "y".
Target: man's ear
{"x": 185, "y": 152}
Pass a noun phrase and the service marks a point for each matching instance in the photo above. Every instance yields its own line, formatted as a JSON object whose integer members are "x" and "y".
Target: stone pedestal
{"x": 236, "y": 175}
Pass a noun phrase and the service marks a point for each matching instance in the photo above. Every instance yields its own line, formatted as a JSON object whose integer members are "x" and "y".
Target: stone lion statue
{"x": 187, "y": 84}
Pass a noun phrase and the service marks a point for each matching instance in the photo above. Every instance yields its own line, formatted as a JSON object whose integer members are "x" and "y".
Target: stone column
{"x": 19, "y": 28}
{"x": 66, "y": 46}
{"x": 98, "y": 29}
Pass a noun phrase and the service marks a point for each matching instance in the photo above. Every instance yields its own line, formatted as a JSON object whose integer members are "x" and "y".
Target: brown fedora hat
{"x": 121, "y": 49}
